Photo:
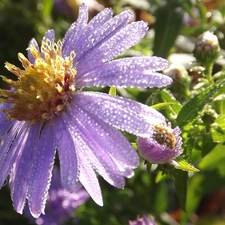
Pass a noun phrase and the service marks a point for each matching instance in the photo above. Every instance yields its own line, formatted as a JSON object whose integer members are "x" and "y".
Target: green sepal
{"x": 184, "y": 165}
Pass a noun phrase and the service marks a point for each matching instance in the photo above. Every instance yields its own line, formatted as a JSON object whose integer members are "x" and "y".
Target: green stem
{"x": 208, "y": 74}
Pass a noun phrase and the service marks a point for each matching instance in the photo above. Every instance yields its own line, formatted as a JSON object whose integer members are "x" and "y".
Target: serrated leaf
{"x": 191, "y": 109}
{"x": 184, "y": 165}
{"x": 112, "y": 91}
{"x": 181, "y": 182}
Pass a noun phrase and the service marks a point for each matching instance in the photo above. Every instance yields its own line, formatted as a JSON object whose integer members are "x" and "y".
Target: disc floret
{"x": 43, "y": 88}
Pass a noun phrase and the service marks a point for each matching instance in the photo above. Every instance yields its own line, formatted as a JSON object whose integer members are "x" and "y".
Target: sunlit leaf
{"x": 184, "y": 165}
{"x": 161, "y": 106}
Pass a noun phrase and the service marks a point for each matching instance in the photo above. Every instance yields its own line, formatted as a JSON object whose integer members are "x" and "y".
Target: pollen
{"x": 43, "y": 87}
{"x": 164, "y": 136}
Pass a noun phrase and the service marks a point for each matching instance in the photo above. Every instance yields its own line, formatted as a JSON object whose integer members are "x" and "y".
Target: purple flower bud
{"x": 162, "y": 145}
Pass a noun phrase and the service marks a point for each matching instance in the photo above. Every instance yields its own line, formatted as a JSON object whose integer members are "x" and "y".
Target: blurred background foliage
{"x": 174, "y": 25}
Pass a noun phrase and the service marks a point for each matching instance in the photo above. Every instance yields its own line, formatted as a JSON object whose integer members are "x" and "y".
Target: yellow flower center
{"x": 43, "y": 88}
{"x": 164, "y": 136}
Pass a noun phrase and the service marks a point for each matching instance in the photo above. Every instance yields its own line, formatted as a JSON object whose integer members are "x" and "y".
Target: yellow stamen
{"x": 43, "y": 88}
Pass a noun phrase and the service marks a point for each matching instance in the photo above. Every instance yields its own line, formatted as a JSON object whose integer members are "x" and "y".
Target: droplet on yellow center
{"x": 43, "y": 88}
{"x": 164, "y": 136}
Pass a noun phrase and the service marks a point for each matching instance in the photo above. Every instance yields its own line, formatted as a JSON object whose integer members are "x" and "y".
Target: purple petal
{"x": 49, "y": 35}
{"x": 41, "y": 170}
{"x": 105, "y": 135}
{"x": 154, "y": 153}
{"x": 34, "y": 43}
{"x": 90, "y": 139}
{"x": 10, "y": 153}
{"x": 7, "y": 141}
{"x": 136, "y": 71}
{"x": 20, "y": 173}
{"x": 89, "y": 180}
{"x": 92, "y": 32}
{"x": 96, "y": 35}
{"x": 114, "y": 46}
{"x": 67, "y": 156}
{"x": 4, "y": 123}
{"x": 75, "y": 30}
{"x": 100, "y": 18}
{"x": 119, "y": 112}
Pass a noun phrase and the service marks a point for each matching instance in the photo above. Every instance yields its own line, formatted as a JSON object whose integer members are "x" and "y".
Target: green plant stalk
{"x": 208, "y": 74}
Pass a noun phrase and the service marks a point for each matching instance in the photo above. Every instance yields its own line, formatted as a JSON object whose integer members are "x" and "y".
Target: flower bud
{"x": 162, "y": 146}
{"x": 207, "y": 48}
{"x": 181, "y": 79}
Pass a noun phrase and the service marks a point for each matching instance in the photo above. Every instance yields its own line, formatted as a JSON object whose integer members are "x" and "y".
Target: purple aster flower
{"x": 162, "y": 145}
{"x": 142, "y": 221}
{"x": 60, "y": 204}
{"x": 46, "y": 110}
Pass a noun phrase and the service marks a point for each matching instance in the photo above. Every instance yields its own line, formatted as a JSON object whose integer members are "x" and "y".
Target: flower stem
{"x": 208, "y": 74}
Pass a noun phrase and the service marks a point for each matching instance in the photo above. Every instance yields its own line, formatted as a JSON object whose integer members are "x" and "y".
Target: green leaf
{"x": 172, "y": 110}
{"x": 218, "y": 129}
{"x": 181, "y": 182}
{"x": 169, "y": 20}
{"x": 112, "y": 91}
{"x": 161, "y": 106}
{"x": 191, "y": 109}
{"x": 214, "y": 158}
{"x": 184, "y": 165}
